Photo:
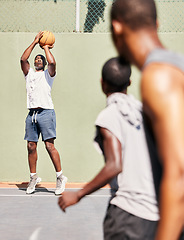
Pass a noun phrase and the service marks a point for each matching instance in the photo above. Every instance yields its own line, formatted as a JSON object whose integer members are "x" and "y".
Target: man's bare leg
{"x": 32, "y": 159}
{"x": 54, "y": 155}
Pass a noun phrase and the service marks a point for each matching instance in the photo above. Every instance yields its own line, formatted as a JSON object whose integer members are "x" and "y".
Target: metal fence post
{"x": 77, "y": 16}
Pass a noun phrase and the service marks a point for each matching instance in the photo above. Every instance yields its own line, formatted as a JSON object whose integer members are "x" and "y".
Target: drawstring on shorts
{"x": 34, "y": 115}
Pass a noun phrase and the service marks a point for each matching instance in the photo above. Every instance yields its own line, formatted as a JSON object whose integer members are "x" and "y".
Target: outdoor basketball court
{"x": 38, "y": 216}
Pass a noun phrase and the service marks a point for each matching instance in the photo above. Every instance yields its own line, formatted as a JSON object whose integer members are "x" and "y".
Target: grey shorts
{"x": 121, "y": 225}
{"x": 40, "y": 121}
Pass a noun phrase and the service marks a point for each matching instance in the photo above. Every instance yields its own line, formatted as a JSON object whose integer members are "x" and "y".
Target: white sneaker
{"x": 60, "y": 184}
{"x": 33, "y": 181}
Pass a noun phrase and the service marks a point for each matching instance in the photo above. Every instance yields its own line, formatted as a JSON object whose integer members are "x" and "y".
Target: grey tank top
{"x": 161, "y": 55}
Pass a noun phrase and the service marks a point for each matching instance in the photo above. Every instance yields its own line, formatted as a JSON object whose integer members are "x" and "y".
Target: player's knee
{"x": 31, "y": 147}
{"x": 49, "y": 147}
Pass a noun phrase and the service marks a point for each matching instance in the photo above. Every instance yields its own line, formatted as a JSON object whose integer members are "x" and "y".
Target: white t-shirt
{"x": 38, "y": 86}
{"x": 136, "y": 193}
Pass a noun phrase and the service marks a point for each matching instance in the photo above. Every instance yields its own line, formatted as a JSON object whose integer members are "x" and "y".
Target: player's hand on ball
{"x": 38, "y": 36}
{"x": 67, "y": 199}
{"x": 47, "y": 46}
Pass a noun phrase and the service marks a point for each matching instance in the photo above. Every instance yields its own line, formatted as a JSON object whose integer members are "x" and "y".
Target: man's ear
{"x": 45, "y": 64}
{"x": 117, "y": 27}
{"x": 104, "y": 86}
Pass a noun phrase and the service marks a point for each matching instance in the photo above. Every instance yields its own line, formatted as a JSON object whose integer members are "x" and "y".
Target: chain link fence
{"x": 88, "y": 16}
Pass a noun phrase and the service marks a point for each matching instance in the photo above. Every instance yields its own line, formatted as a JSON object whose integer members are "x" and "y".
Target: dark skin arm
{"x": 163, "y": 97}
{"x": 50, "y": 59}
{"x": 113, "y": 166}
{"x": 24, "y": 59}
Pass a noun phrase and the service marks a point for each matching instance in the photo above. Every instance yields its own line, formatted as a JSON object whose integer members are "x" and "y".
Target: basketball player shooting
{"x": 41, "y": 118}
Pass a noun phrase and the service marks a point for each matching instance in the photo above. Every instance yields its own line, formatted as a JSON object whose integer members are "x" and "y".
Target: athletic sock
{"x": 59, "y": 173}
{"x": 32, "y": 174}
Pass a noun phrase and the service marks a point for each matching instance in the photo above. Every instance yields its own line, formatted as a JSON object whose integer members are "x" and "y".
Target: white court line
{"x": 34, "y": 235}
{"x": 14, "y": 195}
{"x": 37, "y": 188}
{"x": 52, "y": 195}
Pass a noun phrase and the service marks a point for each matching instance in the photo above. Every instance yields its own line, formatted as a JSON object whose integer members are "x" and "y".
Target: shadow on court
{"x": 38, "y": 216}
{"x": 23, "y": 186}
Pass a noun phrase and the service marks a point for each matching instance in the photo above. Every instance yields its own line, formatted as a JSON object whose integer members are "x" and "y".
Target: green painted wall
{"x": 77, "y": 98}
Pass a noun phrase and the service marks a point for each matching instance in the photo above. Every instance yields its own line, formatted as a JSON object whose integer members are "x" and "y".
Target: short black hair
{"x": 116, "y": 73}
{"x": 135, "y": 13}
{"x": 43, "y": 59}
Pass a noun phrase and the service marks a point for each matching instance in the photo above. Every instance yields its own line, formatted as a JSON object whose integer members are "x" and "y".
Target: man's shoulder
{"x": 159, "y": 76}
{"x": 165, "y": 57}
{"x": 30, "y": 71}
{"x": 108, "y": 114}
{"x": 107, "y": 110}
{"x": 46, "y": 71}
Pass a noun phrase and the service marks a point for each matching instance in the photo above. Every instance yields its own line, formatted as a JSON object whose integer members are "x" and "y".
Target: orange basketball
{"x": 48, "y": 38}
